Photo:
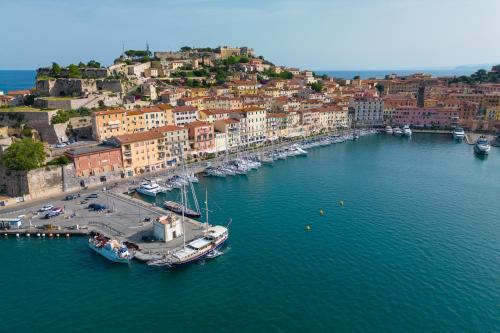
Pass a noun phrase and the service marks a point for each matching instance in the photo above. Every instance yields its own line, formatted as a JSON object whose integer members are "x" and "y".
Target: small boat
{"x": 178, "y": 208}
{"x": 397, "y": 131}
{"x": 151, "y": 188}
{"x": 407, "y": 130}
{"x": 110, "y": 249}
{"x": 388, "y": 130}
{"x": 482, "y": 146}
{"x": 458, "y": 133}
{"x": 355, "y": 136}
{"x": 214, "y": 254}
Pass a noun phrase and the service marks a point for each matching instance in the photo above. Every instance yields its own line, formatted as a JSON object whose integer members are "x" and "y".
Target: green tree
{"x": 286, "y": 75}
{"x": 380, "y": 88}
{"x": 74, "y": 71}
{"x": 61, "y": 160}
{"x": 244, "y": 59}
{"x": 81, "y": 65}
{"x": 94, "y": 64}
{"x": 61, "y": 117}
{"x": 185, "y": 48}
{"x": 316, "y": 86}
{"x": 56, "y": 69}
{"x": 24, "y": 154}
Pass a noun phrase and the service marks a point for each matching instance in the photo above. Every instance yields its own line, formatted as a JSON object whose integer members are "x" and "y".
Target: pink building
{"x": 201, "y": 135}
{"x": 426, "y": 117}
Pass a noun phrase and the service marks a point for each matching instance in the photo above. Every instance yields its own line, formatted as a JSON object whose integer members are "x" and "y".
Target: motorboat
{"x": 388, "y": 130}
{"x": 407, "y": 130}
{"x": 482, "y": 146}
{"x": 151, "y": 188}
{"x": 458, "y": 133}
{"x": 397, "y": 131}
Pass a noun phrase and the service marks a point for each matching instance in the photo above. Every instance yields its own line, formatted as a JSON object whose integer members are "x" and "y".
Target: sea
{"x": 380, "y": 74}
{"x": 414, "y": 248}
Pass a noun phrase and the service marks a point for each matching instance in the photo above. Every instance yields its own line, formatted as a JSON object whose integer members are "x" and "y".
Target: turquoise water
{"x": 414, "y": 249}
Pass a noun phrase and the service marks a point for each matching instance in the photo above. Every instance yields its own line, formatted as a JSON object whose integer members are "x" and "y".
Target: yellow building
{"x": 106, "y": 124}
{"x": 141, "y": 152}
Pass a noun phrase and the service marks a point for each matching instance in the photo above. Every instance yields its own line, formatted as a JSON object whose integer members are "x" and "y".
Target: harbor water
{"x": 414, "y": 248}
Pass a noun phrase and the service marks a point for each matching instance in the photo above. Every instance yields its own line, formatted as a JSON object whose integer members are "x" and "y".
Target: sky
{"x": 313, "y": 34}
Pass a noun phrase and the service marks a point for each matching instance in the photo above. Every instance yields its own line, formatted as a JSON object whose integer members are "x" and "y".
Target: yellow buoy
{"x": 308, "y": 227}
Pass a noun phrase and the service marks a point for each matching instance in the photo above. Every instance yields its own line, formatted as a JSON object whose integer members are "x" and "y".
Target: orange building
{"x": 142, "y": 151}
{"x": 201, "y": 135}
{"x": 97, "y": 160}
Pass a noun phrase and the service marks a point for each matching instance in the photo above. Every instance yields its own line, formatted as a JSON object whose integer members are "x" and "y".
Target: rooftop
{"x": 140, "y": 136}
{"x": 90, "y": 150}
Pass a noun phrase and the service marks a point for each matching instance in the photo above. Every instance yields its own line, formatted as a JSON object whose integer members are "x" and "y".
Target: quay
{"x": 32, "y": 232}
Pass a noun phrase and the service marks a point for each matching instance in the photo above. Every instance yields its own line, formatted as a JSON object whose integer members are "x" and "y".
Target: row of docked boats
{"x": 153, "y": 187}
{"x": 397, "y": 131}
{"x": 242, "y": 165}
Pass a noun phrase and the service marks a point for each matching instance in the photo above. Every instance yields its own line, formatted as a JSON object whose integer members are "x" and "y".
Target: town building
{"x": 97, "y": 160}
{"x": 141, "y": 152}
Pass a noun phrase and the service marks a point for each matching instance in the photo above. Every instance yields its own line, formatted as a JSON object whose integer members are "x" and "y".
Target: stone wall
{"x": 66, "y": 87}
{"x": 47, "y": 181}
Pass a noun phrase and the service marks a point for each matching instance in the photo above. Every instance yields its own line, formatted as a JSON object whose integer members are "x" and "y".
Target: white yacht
{"x": 406, "y": 130}
{"x": 110, "y": 249}
{"x": 458, "y": 133}
{"x": 151, "y": 188}
{"x": 482, "y": 146}
{"x": 398, "y": 131}
{"x": 388, "y": 130}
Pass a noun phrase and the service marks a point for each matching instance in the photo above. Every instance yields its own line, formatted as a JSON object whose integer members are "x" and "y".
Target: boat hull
{"x": 178, "y": 210}
{"x": 201, "y": 256}
{"x": 481, "y": 151}
{"x": 108, "y": 255}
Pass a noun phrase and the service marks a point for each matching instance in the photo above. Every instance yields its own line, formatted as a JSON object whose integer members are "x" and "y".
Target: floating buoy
{"x": 43, "y": 235}
{"x": 38, "y": 235}
{"x": 28, "y": 235}
{"x": 5, "y": 235}
{"x": 308, "y": 227}
{"x": 57, "y": 235}
{"x": 321, "y": 212}
{"x": 341, "y": 203}
{"x": 67, "y": 235}
{"x": 17, "y": 235}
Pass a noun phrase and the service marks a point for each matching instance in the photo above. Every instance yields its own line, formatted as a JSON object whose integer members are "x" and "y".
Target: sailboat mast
{"x": 183, "y": 208}
{"x": 206, "y": 208}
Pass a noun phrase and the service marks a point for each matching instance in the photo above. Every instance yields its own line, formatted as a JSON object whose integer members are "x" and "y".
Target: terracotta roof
{"x": 168, "y": 128}
{"x": 151, "y": 109}
{"x": 112, "y": 111}
{"x": 139, "y": 136}
{"x": 19, "y": 92}
{"x": 198, "y": 124}
{"x": 214, "y": 111}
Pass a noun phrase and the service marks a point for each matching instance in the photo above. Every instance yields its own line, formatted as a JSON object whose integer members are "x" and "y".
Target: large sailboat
{"x": 206, "y": 246}
{"x": 183, "y": 208}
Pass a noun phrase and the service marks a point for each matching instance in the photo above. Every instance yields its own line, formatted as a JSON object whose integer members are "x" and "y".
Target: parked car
{"x": 51, "y": 214}
{"x": 46, "y": 208}
{"x": 71, "y": 197}
{"x": 97, "y": 207}
{"x": 61, "y": 145}
{"x": 92, "y": 196}
{"x": 58, "y": 210}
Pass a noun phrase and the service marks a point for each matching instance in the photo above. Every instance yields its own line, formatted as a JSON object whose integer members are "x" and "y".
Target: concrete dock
{"x": 125, "y": 220}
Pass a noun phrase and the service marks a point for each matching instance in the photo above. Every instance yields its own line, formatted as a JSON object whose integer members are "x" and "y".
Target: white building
{"x": 367, "y": 111}
{"x": 167, "y": 228}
